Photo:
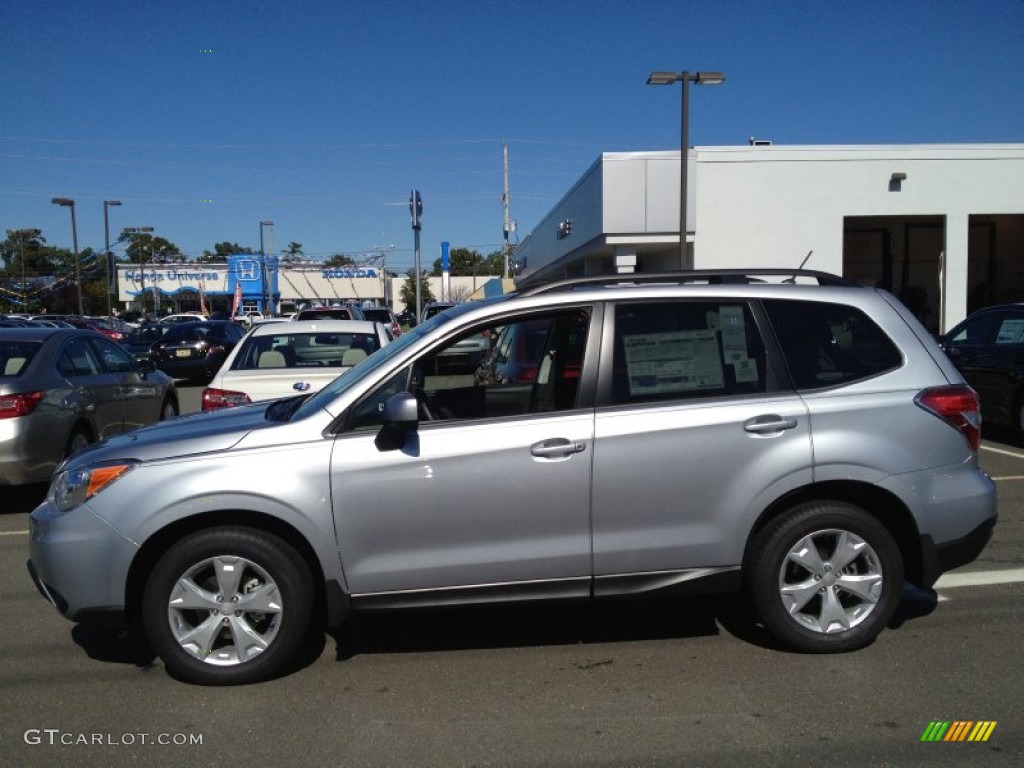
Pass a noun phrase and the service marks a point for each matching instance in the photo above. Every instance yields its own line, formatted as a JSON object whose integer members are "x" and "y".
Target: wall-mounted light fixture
{"x": 898, "y": 176}
{"x": 564, "y": 228}
{"x": 896, "y": 181}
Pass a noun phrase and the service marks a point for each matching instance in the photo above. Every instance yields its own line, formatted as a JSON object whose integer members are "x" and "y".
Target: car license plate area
{"x": 183, "y": 353}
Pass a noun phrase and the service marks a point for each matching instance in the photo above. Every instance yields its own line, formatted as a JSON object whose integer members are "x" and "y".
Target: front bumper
{"x": 79, "y": 563}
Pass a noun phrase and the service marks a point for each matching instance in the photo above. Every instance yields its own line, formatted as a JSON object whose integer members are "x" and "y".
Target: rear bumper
{"x": 939, "y": 558}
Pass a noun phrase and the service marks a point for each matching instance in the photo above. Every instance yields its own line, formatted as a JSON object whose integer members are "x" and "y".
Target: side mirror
{"x": 401, "y": 416}
{"x": 145, "y": 365}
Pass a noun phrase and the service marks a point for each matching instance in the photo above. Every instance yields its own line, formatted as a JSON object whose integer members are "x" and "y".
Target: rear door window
{"x": 827, "y": 344}
{"x": 686, "y": 349}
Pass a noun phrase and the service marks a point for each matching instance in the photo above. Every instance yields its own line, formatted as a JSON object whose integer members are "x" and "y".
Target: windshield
{"x": 382, "y": 358}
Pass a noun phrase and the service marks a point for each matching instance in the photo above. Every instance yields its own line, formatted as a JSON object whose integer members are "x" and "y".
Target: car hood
{"x": 184, "y": 436}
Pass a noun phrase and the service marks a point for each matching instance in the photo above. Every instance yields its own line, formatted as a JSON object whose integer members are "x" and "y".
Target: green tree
{"x": 221, "y": 251}
{"x": 408, "y": 292}
{"x": 293, "y": 250}
{"x": 144, "y": 248}
{"x": 339, "y": 260}
{"x": 465, "y": 262}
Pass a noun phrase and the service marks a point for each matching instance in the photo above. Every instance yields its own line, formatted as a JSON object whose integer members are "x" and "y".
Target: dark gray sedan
{"x": 64, "y": 388}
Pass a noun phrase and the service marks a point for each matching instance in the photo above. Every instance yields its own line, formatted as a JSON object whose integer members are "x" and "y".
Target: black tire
{"x": 825, "y": 577}
{"x": 79, "y": 438}
{"x": 198, "y": 643}
{"x": 168, "y": 409}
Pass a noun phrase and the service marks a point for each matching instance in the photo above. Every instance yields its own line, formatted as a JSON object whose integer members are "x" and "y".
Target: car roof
{"x": 40, "y": 333}
{"x": 311, "y": 326}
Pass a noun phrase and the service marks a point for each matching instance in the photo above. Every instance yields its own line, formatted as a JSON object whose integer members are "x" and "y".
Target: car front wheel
{"x": 825, "y": 577}
{"x": 228, "y": 606}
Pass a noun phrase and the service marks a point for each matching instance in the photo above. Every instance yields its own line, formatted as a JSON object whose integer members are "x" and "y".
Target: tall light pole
{"x": 263, "y": 267}
{"x": 108, "y": 255}
{"x": 134, "y": 232}
{"x": 700, "y": 78}
{"x": 22, "y": 235}
{"x": 416, "y": 211}
{"x": 67, "y": 202}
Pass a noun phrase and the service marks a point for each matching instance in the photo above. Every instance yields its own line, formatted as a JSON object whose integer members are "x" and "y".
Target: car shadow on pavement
{"x": 565, "y": 623}
{"x": 114, "y": 645}
{"x": 573, "y": 623}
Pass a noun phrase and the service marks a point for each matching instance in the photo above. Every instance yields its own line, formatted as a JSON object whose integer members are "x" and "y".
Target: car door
{"x": 693, "y": 437}
{"x": 140, "y": 396}
{"x": 94, "y": 392}
{"x": 489, "y": 496}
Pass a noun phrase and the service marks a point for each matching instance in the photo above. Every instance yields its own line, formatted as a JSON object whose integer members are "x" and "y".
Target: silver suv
{"x": 792, "y": 436}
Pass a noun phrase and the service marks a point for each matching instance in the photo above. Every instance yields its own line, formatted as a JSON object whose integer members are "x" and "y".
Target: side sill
{"x": 693, "y": 581}
{"x": 519, "y": 591}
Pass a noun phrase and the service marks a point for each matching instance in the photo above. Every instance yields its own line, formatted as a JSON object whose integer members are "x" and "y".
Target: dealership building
{"x": 941, "y": 226}
{"x": 269, "y": 285}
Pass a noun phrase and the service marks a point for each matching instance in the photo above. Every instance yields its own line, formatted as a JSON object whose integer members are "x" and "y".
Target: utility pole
{"x": 416, "y": 211}
{"x": 508, "y": 223}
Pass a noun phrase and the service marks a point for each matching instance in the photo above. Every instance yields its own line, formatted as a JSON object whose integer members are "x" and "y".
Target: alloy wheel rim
{"x": 225, "y": 610}
{"x": 830, "y": 581}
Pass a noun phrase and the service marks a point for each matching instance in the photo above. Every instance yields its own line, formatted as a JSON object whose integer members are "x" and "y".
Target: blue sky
{"x": 204, "y": 118}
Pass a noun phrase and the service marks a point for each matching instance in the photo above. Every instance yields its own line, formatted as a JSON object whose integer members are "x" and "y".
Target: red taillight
{"x": 22, "y": 404}
{"x": 957, "y": 405}
{"x": 222, "y": 398}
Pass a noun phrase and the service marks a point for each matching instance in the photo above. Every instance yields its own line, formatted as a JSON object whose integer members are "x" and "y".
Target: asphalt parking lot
{"x": 659, "y": 683}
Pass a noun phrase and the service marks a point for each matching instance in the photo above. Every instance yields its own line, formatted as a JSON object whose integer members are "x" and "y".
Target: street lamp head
{"x": 64, "y": 201}
{"x": 266, "y": 223}
{"x": 701, "y": 78}
{"x": 709, "y": 78}
{"x": 111, "y": 202}
{"x": 663, "y": 78}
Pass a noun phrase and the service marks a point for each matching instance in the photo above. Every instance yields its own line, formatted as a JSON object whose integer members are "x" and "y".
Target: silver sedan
{"x": 64, "y": 388}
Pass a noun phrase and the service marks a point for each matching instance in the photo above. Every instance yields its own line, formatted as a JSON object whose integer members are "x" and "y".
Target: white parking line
{"x": 980, "y": 578}
{"x": 13, "y": 533}
{"x": 1015, "y": 454}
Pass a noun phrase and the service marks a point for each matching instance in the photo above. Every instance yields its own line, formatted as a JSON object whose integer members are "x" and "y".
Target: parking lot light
{"x": 684, "y": 77}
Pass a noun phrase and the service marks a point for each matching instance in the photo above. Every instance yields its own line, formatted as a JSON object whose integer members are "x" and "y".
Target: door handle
{"x": 556, "y": 448}
{"x": 769, "y": 424}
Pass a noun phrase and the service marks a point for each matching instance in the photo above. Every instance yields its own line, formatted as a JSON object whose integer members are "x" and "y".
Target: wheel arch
{"x": 330, "y": 602}
{"x": 84, "y": 425}
{"x": 884, "y": 506}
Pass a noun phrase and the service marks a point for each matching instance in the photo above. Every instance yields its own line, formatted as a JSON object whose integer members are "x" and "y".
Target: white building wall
{"x": 770, "y": 206}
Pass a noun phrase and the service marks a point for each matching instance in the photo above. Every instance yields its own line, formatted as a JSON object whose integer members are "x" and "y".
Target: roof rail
{"x": 711, "y": 276}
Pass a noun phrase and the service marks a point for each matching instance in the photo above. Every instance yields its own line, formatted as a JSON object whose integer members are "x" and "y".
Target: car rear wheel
{"x": 227, "y": 606}
{"x": 825, "y": 577}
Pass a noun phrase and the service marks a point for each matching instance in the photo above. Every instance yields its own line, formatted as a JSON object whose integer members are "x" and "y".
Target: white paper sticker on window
{"x": 678, "y": 361}
{"x": 734, "y": 334}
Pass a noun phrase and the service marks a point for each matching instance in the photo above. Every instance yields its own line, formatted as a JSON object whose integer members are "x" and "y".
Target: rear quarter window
{"x": 826, "y": 345}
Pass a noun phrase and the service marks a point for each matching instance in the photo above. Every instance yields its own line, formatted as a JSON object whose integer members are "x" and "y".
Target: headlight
{"x": 76, "y": 486}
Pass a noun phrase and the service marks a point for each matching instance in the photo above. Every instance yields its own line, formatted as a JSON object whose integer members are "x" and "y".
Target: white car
{"x": 275, "y": 360}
